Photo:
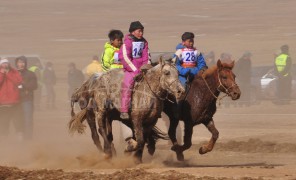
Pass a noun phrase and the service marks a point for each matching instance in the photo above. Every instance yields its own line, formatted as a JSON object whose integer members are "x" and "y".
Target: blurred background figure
{"x": 283, "y": 65}
{"x": 49, "y": 80}
{"x": 75, "y": 78}
{"x": 27, "y": 88}
{"x": 226, "y": 57}
{"x": 94, "y": 67}
{"x": 210, "y": 59}
{"x": 10, "y": 79}
{"x": 242, "y": 70}
{"x": 37, "y": 69}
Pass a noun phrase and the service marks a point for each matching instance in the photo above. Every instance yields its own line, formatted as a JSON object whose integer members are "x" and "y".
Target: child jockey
{"x": 133, "y": 54}
{"x": 110, "y": 56}
{"x": 189, "y": 61}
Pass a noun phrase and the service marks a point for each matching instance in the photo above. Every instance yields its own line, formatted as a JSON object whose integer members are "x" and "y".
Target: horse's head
{"x": 226, "y": 80}
{"x": 169, "y": 79}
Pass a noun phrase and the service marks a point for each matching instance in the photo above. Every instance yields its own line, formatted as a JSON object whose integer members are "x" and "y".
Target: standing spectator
{"x": 37, "y": 69}
{"x": 75, "y": 78}
{"x": 10, "y": 79}
{"x": 94, "y": 67}
{"x": 210, "y": 59}
{"x": 283, "y": 64}
{"x": 226, "y": 57}
{"x": 49, "y": 80}
{"x": 242, "y": 70}
{"x": 27, "y": 88}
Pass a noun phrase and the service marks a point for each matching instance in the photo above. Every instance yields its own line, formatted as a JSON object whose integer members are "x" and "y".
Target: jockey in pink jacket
{"x": 133, "y": 54}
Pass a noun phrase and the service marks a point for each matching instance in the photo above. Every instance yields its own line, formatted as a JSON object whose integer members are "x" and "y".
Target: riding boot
{"x": 124, "y": 115}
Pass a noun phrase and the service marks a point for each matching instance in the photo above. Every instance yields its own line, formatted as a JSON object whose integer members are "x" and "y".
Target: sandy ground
{"x": 256, "y": 142}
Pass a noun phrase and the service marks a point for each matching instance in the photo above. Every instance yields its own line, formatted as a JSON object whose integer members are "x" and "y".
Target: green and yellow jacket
{"x": 110, "y": 58}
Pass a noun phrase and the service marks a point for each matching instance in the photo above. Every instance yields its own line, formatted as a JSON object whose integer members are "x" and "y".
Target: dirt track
{"x": 256, "y": 142}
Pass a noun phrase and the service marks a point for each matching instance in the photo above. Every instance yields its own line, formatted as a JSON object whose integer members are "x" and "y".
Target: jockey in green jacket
{"x": 110, "y": 56}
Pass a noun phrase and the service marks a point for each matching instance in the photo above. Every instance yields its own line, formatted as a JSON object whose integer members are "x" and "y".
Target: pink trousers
{"x": 126, "y": 90}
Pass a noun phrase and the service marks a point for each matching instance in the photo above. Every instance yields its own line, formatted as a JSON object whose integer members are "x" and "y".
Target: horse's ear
{"x": 219, "y": 64}
{"x": 232, "y": 65}
{"x": 161, "y": 61}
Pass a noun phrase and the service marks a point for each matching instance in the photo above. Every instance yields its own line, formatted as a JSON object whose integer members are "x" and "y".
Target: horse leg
{"x": 172, "y": 130}
{"x": 110, "y": 135}
{"x": 101, "y": 119}
{"x": 93, "y": 128}
{"x": 169, "y": 111}
{"x": 138, "y": 155}
{"x": 215, "y": 134}
{"x": 149, "y": 136}
{"x": 139, "y": 140}
{"x": 151, "y": 144}
{"x": 188, "y": 130}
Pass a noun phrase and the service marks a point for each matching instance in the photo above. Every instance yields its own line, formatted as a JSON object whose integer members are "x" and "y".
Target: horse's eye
{"x": 224, "y": 77}
{"x": 166, "y": 72}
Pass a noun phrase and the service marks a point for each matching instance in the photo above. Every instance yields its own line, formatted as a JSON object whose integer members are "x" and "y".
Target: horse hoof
{"x": 138, "y": 161}
{"x": 126, "y": 153}
{"x": 202, "y": 150}
{"x": 151, "y": 150}
{"x": 175, "y": 147}
{"x": 180, "y": 156}
{"x": 131, "y": 145}
{"x": 107, "y": 156}
{"x": 113, "y": 150}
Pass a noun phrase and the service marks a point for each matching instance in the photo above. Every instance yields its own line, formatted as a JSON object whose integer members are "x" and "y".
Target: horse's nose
{"x": 181, "y": 89}
{"x": 235, "y": 95}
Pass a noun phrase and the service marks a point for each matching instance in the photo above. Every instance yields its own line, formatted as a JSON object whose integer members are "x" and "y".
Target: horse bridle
{"x": 221, "y": 85}
{"x": 227, "y": 93}
{"x": 167, "y": 85}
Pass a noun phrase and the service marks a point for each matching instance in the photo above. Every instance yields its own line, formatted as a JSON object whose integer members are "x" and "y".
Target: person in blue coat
{"x": 189, "y": 61}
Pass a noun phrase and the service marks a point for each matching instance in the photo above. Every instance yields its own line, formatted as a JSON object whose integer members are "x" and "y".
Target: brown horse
{"x": 199, "y": 106}
{"x": 146, "y": 105}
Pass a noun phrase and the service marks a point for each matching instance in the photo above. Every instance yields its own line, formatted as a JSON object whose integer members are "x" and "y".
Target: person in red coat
{"x": 10, "y": 80}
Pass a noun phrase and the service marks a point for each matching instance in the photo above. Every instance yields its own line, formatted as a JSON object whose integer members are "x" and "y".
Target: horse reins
{"x": 154, "y": 93}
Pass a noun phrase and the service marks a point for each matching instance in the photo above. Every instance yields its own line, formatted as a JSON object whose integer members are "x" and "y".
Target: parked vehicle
{"x": 268, "y": 84}
{"x": 31, "y": 60}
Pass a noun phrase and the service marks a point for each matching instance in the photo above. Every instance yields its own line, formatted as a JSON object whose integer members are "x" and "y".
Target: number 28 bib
{"x": 137, "y": 49}
{"x": 188, "y": 57}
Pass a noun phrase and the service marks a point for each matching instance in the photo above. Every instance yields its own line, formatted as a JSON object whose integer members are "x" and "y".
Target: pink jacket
{"x": 133, "y": 53}
{"x": 9, "y": 92}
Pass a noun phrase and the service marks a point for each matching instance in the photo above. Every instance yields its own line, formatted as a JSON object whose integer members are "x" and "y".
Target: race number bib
{"x": 138, "y": 49}
{"x": 116, "y": 58}
{"x": 189, "y": 55}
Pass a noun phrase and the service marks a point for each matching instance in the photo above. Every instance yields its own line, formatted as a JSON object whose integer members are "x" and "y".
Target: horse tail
{"x": 76, "y": 121}
{"x": 156, "y": 134}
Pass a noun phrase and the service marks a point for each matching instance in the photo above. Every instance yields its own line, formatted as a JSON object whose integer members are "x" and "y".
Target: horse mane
{"x": 225, "y": 65}
{"x": 210, "y": 71}
{"x": 153, "y": 72}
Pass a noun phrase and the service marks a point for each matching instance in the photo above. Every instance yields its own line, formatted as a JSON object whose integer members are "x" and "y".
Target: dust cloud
{"x": 253, "y": 137}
